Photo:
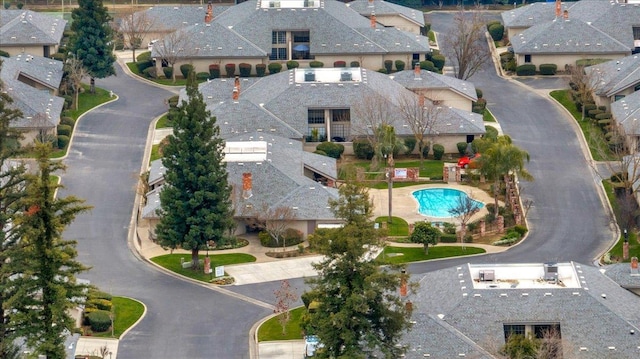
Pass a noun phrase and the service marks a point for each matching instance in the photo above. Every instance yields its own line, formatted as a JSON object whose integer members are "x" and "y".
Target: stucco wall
{"x": 565, "y": 59}
{"x": 32, "y": 50}
{"x": 398, "y": 22}
{"x": 448, "y": 98}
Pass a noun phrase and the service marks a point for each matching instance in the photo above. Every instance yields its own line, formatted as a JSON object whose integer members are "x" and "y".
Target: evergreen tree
{"x": 359, "y": 312}
{"x": 92, "y": 38}
{"x": 45, "y": 286}
{"x": 12, "y": 182}
{"x": 195, "y": 200}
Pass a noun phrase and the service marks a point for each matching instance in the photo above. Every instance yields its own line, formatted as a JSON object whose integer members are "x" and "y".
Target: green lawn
{"x": 172, "y": 263}
{"x": 430, "y": 168}
{"x": 87, "y": 101}
{"x": 127, "y": 312}
{"x": 413, "y": 254}
{"x": 398, "y": 227}
{"x": 272, "y": 329}
{"x": 154, "y": 153}
{"x": 163, "y": 122}
{"x": 488, "y": 117}
{"x": 595, "y": 138}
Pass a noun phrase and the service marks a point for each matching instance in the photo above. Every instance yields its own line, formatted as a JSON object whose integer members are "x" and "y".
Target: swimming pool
{"x": 436, "y": 202}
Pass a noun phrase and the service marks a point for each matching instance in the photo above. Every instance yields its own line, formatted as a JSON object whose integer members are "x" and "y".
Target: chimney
{"x": 634, "y": 266}
{"x": 209, "y": 16}
{"x": 421, "y": 101}
{"x": 246, "y": 185}
{"x": 403, "y": 283}
{"x": 565, "y": 14}
{"x": 416, "y": 71}
{"x": 236, "y": 89}
{"x": 558, "y": 8}
{"x": 373, "y": 20}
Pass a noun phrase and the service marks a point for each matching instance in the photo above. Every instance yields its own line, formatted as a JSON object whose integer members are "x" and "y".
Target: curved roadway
{"x": 184, "y": 320}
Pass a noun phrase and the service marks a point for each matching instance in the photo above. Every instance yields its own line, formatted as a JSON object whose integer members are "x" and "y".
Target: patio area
{"x": 405, "y": 206}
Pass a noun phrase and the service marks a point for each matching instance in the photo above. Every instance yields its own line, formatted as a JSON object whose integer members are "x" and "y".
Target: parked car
{"x": 468, "y": 161}
{"x": 311, "y": 345}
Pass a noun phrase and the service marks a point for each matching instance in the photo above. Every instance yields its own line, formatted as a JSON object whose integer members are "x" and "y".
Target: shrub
{"x": 438, "y": 61}
{"x": 66, "y": 120}
{"x": 245, "y": 69}
{"x": 479, "y": 106}
{"x": 383, "y": 71}
{"x": 492, "y": 22}
{"x": 511, "y": 66}
{"x": 173, "y": 101}
{"x": 410, "y": 144}
{"x": 145, "y": 56}
{"x": 506, "y": 56}
{"x": 230, "y": 70}
{"x": 201, "y": 76}
{"x": 150, "y": 72}
{"x": 185, "y": 69}
{"x": 63, "y": 141}
{"x": 428, "y": 65}
{"x": 316, "y": 64}
{"x": 496, "y": 31}
{"x": 490, "y": 132}
{"x": 479, "y": 93}
{"x": 321, "y": 153}
{"x": 590, "y": 106}
{"x": 400, "y": 65}
{"x": 7, "y": 5}
{"x": 363, "y": 150}
{"x": 168, "y": 72}
{"x": 100, "y": 303}
{"x": 526, "y": 70}
{"x": 603, "y": 116}
{"x": 99, "y": 294}
{"x": 449, "y": 228}
{"x": 2, "y": 52}
{"x": 603, "y": 108}
{"x": 426, "y": 149}
{"x": 354, "y": 64}
{"x": 143, "y": 65}
{"x": 548, "y": 69}
{"x": 462, "y": 147}
{"x": 438, "y": 151}
{"x": 19, "y": 5}
{"x": 99, "y": 320}
{"x": 261, "y": 70}
{"x": 64, "y": 130}
{"x": 292, "y": 64}
{"x": 520, "y": 229}
{"x": 339, "y": 64}
{"x": 332, "y": 149}
{"x": 448, "y": 238}
{"x": 214, "y": 71}
{"x": 68, "y": 100}
{"x": 275, "y": 67}
{"x": 388, "y": 65}
{"x": 593, "y": 113}
{"x": 292, "y": 237}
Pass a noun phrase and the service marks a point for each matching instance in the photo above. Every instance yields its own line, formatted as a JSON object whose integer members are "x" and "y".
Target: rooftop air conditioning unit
{"x": 345, "y": 76}
{"x": 309, "y": 76}
{"x": 551, "y": 272}
{"x": 487, "y": 275}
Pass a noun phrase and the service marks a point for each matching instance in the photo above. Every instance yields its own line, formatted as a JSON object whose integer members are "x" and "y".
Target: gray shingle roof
{"x": 435, "y": 81}
{"x": 26, "y": 27}
{"x": 166, "y": 18}
{"x": 566, "y": 36}
{"x": 615, "y": 75}
{"x": 279, "y": 105}
{"x": 621, "y": 274}
{"x": 626, "y": 112}
{"x": 364, "y": 8}
{"x": 39, "y": 108}
{"x": 590, "y": 21}
{"x": 587, "y": 319}
{"x": 245, "y": 30}
{"x": 278, "y": 181}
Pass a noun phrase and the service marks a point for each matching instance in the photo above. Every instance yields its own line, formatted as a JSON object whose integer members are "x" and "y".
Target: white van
{"x": 311, "y": 344}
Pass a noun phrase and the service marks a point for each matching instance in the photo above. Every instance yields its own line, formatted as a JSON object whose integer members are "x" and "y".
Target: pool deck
{"x": 405, "y": 205}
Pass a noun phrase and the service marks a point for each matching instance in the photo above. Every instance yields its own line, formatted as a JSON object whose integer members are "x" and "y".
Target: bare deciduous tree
{"x": 285, "y": 296}
{"x": 583, "y": 84}
{"x": 373, "y": 112}
{"x": 134, "y": 26}
{"x": 175, "y": 46}
{"x": 463, "y": 210}
{"x": 421, "y": 115}
{"x": 74, "y": 72}
{"x": 467, "y": 43}
{"x": 277, "y": 220}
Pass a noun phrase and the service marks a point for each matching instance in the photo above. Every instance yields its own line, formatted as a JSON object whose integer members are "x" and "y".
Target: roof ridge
{"x": 451, "y": 329}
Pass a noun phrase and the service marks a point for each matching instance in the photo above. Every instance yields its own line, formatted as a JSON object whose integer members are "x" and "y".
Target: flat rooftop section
{"x": 524, "y": 276}
{"x": 329, "y": 75}
{"x": 289, "y": 4}
{"x": 245, "y": 151}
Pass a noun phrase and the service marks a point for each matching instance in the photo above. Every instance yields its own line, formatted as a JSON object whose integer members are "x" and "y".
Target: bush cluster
{"x": 214, "y": 71}
{"x": 410, "y": 145}
{"x": 548, "y": 69}
{"x": 245, "y": 69}
{"x": 99, "y": 320}
{"x": 339, "y": 64}
{"x": 526, "y": 70}
{"x": 400, "y": 65}
{"x": 332, "y": 149}
{"x": 168, "y": 72}
{"x": 292, "y": 64}
{"x": 316, "y": 64}
{"x": 362, "y": 149}
{"x": 438, "y": 151}
{"x": 230, "y": 70}
{"x": 496, "y": 30}
{"x": 261, "y": 70}
{"x": 354, "y": 64}
{"x": 201, "y": 76}
{"x": 150, "y": 72}
{"x": 290, "y": 236}
{"x": 388, "y": 66}
{"x": 63, "y": 141}
{"x": 275, "y": 67}
{"x": 185, "y": 69}
{"x": 64, "y": 130}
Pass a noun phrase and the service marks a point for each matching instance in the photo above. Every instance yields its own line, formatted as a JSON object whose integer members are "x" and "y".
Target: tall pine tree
{"x": 12, "y": 183}
{"x": 45, "y": 287}
{"x": 195, "y": 200}
{"x": 92, "y": 39}
{"x": 360, "y": 313}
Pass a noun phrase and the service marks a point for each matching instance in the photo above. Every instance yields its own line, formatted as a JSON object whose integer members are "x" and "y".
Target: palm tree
{"x": 499, "y": 158}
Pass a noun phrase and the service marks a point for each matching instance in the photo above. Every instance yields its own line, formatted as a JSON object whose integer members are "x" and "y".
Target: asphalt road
{"x": 183, "y": 320}
{"x": 187, "y": 321}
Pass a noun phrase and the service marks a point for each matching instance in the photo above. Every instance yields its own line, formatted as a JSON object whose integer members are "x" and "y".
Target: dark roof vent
{"x": 551, "y": 272}
{"x": 487, "y": 275}
{"x": 345, "y": 76}
{"x": 309, "y": 76}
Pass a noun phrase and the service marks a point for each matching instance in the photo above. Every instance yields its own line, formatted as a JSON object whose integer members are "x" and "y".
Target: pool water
{"x": 436, "y": 202}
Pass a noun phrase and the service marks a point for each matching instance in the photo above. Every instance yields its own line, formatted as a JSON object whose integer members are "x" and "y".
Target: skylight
{"x": 328, "y": 75}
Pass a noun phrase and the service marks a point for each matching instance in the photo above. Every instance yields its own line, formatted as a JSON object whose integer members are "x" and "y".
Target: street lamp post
{"x": 390, "y": 164}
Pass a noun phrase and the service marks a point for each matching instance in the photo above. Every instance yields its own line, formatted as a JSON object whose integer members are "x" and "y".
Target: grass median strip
{"x": 126, "y": 312}
{"x": 272, "y": 329}
{"x": 173, "y": 262}
{"x": 398, "y": 255}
